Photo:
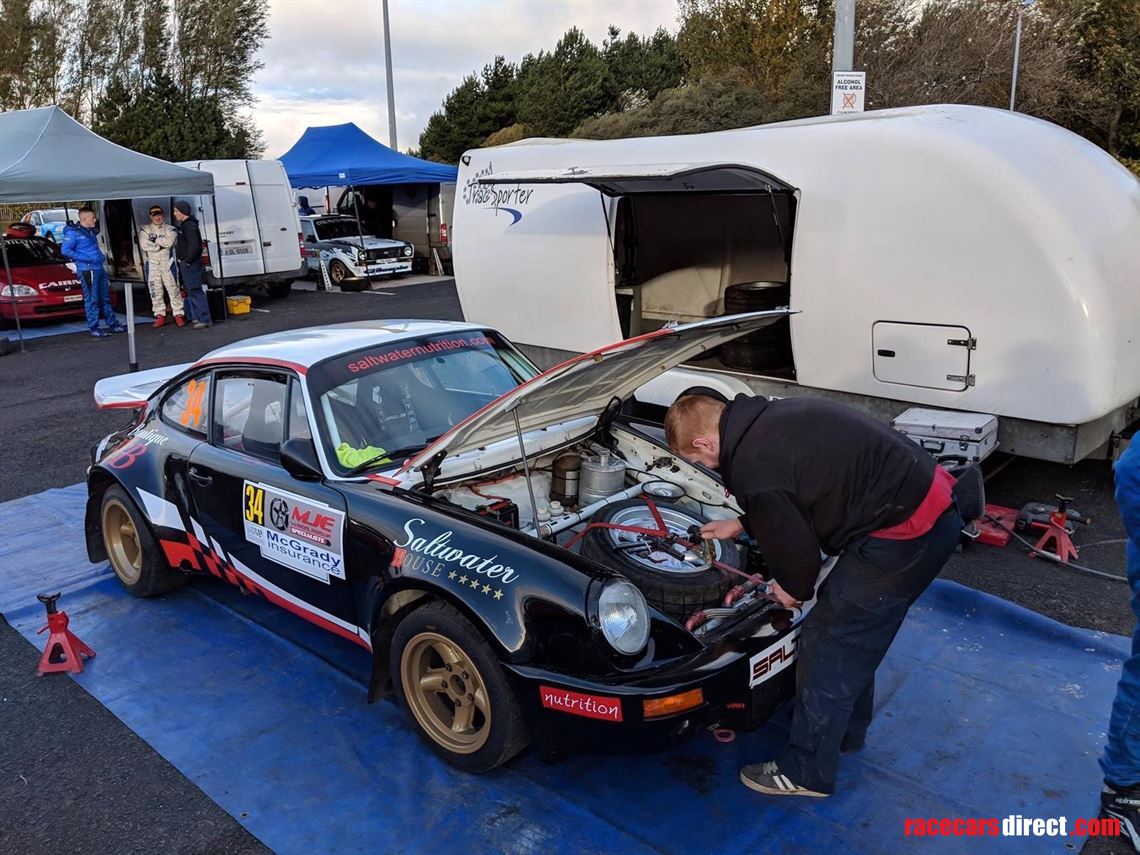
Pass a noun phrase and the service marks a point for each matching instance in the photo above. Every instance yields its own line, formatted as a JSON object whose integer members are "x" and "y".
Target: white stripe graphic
{"x": 199, "y": 532}
{"x": 301, "y": 604}
{"x": 160, "y": 511}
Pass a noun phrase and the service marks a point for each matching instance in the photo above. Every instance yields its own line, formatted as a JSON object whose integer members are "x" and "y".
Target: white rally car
{"x": 351, "y": 258}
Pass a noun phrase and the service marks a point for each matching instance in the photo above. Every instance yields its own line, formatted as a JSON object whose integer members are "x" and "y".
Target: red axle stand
{"x": 1057, "y": 534}
{"x": 64, "y": 650}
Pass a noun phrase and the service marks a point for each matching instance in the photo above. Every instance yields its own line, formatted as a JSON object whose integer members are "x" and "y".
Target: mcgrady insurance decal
{"x": 300, "y": 534}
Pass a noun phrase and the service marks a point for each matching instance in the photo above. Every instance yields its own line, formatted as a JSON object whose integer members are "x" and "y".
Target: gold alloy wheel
{"x": 122, "y": 541}
{"x": 445, "y": 693}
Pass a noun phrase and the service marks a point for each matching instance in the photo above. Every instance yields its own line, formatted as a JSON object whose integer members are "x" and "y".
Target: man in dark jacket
{"x": 188, "y": 251}
{"x": 815, "y": 476}
{"x": 81, "y": 247}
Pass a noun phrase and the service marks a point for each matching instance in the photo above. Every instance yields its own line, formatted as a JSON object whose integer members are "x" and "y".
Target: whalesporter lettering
{"x": 439, "y": 547}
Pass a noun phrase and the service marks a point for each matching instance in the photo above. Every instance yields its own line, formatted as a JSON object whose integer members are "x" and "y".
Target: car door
{"x": 284, "y": 537}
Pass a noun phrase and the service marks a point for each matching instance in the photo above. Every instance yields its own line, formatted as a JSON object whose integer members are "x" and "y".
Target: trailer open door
{"x": 680, "y": 235}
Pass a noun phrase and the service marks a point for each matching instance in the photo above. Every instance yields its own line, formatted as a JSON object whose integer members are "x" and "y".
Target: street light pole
{"x": 843, "y": 42}
{"x": 1017, "y": 53}
{"x": 391, "y": 84}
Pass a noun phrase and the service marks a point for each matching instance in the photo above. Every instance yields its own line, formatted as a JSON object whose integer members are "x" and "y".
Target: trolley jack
{"x": 64, "y": 650}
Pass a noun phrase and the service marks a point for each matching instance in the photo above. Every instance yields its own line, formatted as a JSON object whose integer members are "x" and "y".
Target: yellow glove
{"x": 349, "y": 456}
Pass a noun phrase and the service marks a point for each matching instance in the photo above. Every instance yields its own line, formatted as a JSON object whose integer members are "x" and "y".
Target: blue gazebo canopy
{"x": 336, "y": 155}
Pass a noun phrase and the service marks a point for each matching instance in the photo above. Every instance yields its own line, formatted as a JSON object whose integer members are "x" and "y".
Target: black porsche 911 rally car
{"x": 517, "y": 556}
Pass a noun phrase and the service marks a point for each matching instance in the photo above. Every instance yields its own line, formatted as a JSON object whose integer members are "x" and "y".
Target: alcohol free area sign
{"x": 847, "y": 88}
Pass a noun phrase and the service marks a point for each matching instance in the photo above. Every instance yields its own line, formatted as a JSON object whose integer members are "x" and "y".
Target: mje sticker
{"x": 298, "y": 533}
{"x": 772, "y": 660}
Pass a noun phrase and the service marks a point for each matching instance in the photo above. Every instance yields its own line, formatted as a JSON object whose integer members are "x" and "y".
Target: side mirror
{"x": 299, "y": 457}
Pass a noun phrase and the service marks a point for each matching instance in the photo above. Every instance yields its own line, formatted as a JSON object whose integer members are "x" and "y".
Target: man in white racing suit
{"x": 157, "y": 242}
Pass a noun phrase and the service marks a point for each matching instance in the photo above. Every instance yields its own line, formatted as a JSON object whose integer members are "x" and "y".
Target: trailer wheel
{"x": 677, "y": 586}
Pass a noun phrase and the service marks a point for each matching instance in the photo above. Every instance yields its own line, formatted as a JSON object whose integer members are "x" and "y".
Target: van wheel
{"x": 677, "y": 586}
{"x": 279, "y": 290}
{"x": 448, "y": 679}
{"x": 134, "y": 554}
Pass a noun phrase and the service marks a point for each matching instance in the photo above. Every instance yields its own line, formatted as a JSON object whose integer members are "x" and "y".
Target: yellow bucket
{"x": 238, "y": 305}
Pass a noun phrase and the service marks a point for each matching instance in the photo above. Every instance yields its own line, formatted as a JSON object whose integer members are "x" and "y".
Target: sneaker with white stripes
{"x": 767, "y": 778}
{"x": 1123, "y": 803}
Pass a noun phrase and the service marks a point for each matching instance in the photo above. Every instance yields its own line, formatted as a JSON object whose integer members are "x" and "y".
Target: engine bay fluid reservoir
{"x": 564, "y": 478}
{"x": 602, "y": 476}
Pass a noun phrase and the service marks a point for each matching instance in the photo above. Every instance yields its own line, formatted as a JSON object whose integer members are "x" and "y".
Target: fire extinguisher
{"x": 443, "y": 232}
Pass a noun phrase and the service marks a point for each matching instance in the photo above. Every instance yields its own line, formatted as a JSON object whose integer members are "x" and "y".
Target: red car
{"x": 42, "y": 284}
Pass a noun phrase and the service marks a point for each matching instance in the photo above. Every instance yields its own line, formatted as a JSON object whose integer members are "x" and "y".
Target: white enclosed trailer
{"x": 952, "y": 257}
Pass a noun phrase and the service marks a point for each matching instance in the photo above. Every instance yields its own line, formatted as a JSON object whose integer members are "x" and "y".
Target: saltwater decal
{"x": 440, "y": 548}
{"x": 772, "y": 660}
{"x": 296, "y": 532}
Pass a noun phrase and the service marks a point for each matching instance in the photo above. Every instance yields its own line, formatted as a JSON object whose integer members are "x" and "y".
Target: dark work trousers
{"x": 197, "y": 307}
{"x": 860, "y": 609}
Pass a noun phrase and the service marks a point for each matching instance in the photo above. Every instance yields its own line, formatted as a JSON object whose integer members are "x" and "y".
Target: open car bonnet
{"x": 579, "y": 389}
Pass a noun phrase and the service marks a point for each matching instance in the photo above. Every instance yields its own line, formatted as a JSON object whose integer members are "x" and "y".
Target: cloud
{"x": 324, "y": 61}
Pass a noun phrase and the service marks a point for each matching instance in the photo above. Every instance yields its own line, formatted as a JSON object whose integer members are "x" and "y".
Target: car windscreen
{"x": 54, "y": 216}
{"x": 31, "y": 252}
{"x": 336, "y": 228}
{"x": 390, "y": 401}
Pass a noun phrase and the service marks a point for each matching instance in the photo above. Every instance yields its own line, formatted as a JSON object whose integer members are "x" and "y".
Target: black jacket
{"x": 811, "y": 475}
{"x": 188, "y": 247}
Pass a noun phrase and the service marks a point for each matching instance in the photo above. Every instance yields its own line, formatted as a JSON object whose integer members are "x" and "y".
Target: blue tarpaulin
{"x": 339, "y": 155}
{"x": 984, "y": 709}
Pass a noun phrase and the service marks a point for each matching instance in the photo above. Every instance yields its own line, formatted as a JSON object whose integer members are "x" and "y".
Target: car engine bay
{"x": 626, "y": 503}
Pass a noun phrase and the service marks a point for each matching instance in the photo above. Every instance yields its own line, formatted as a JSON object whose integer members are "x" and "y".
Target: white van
{"x": 947, "y": 257}
{"x": 258, "y": 227}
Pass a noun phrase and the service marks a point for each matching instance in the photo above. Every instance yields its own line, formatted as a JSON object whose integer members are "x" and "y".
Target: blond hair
{"x": 689, "y": 417}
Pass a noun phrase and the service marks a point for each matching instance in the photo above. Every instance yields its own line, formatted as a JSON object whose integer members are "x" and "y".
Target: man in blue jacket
{"x": 1120, "y": 797}
{"x": 81, "y": 247}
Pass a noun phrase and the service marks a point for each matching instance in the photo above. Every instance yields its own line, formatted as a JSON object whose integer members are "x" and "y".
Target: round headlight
{"x": 623, "y": 616}
{"x": 407, "y": 250}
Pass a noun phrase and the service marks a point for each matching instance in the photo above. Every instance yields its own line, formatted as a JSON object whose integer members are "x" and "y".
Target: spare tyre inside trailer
{"x": 693, "y": 241}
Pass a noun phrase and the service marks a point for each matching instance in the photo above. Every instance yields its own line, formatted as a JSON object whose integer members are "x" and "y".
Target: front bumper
{"x": 384, "y": 267}
{"x": 43, "y": 306}
{"x": 742, "y": 682}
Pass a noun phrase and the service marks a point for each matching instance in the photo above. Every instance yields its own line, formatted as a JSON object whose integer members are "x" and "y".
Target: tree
{"x": 215, "y": 48}
{"x": 159, "y": 119}
{"x": 558, "y": 90}
{"x": 642, "y": 67}
{"x": 1104, "y": 38}
{"x": 476, "y": 108}
{"x": 708, "y": 105}
{"x": 781, "y": 47}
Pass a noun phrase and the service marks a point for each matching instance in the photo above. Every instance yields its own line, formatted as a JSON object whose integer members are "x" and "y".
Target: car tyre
{"x": 279, "y": 290}
{"x": 340, "y": 276}
{"x": 677, "y": 593}
{"x": 449, "y": 681}
{"x": 131, "y": 548}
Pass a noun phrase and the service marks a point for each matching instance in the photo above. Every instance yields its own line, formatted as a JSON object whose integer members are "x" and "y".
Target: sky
{"x": 324, "y": 60}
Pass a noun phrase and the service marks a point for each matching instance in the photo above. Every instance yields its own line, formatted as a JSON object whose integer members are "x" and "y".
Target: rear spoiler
{"x": 133, "y": 390}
